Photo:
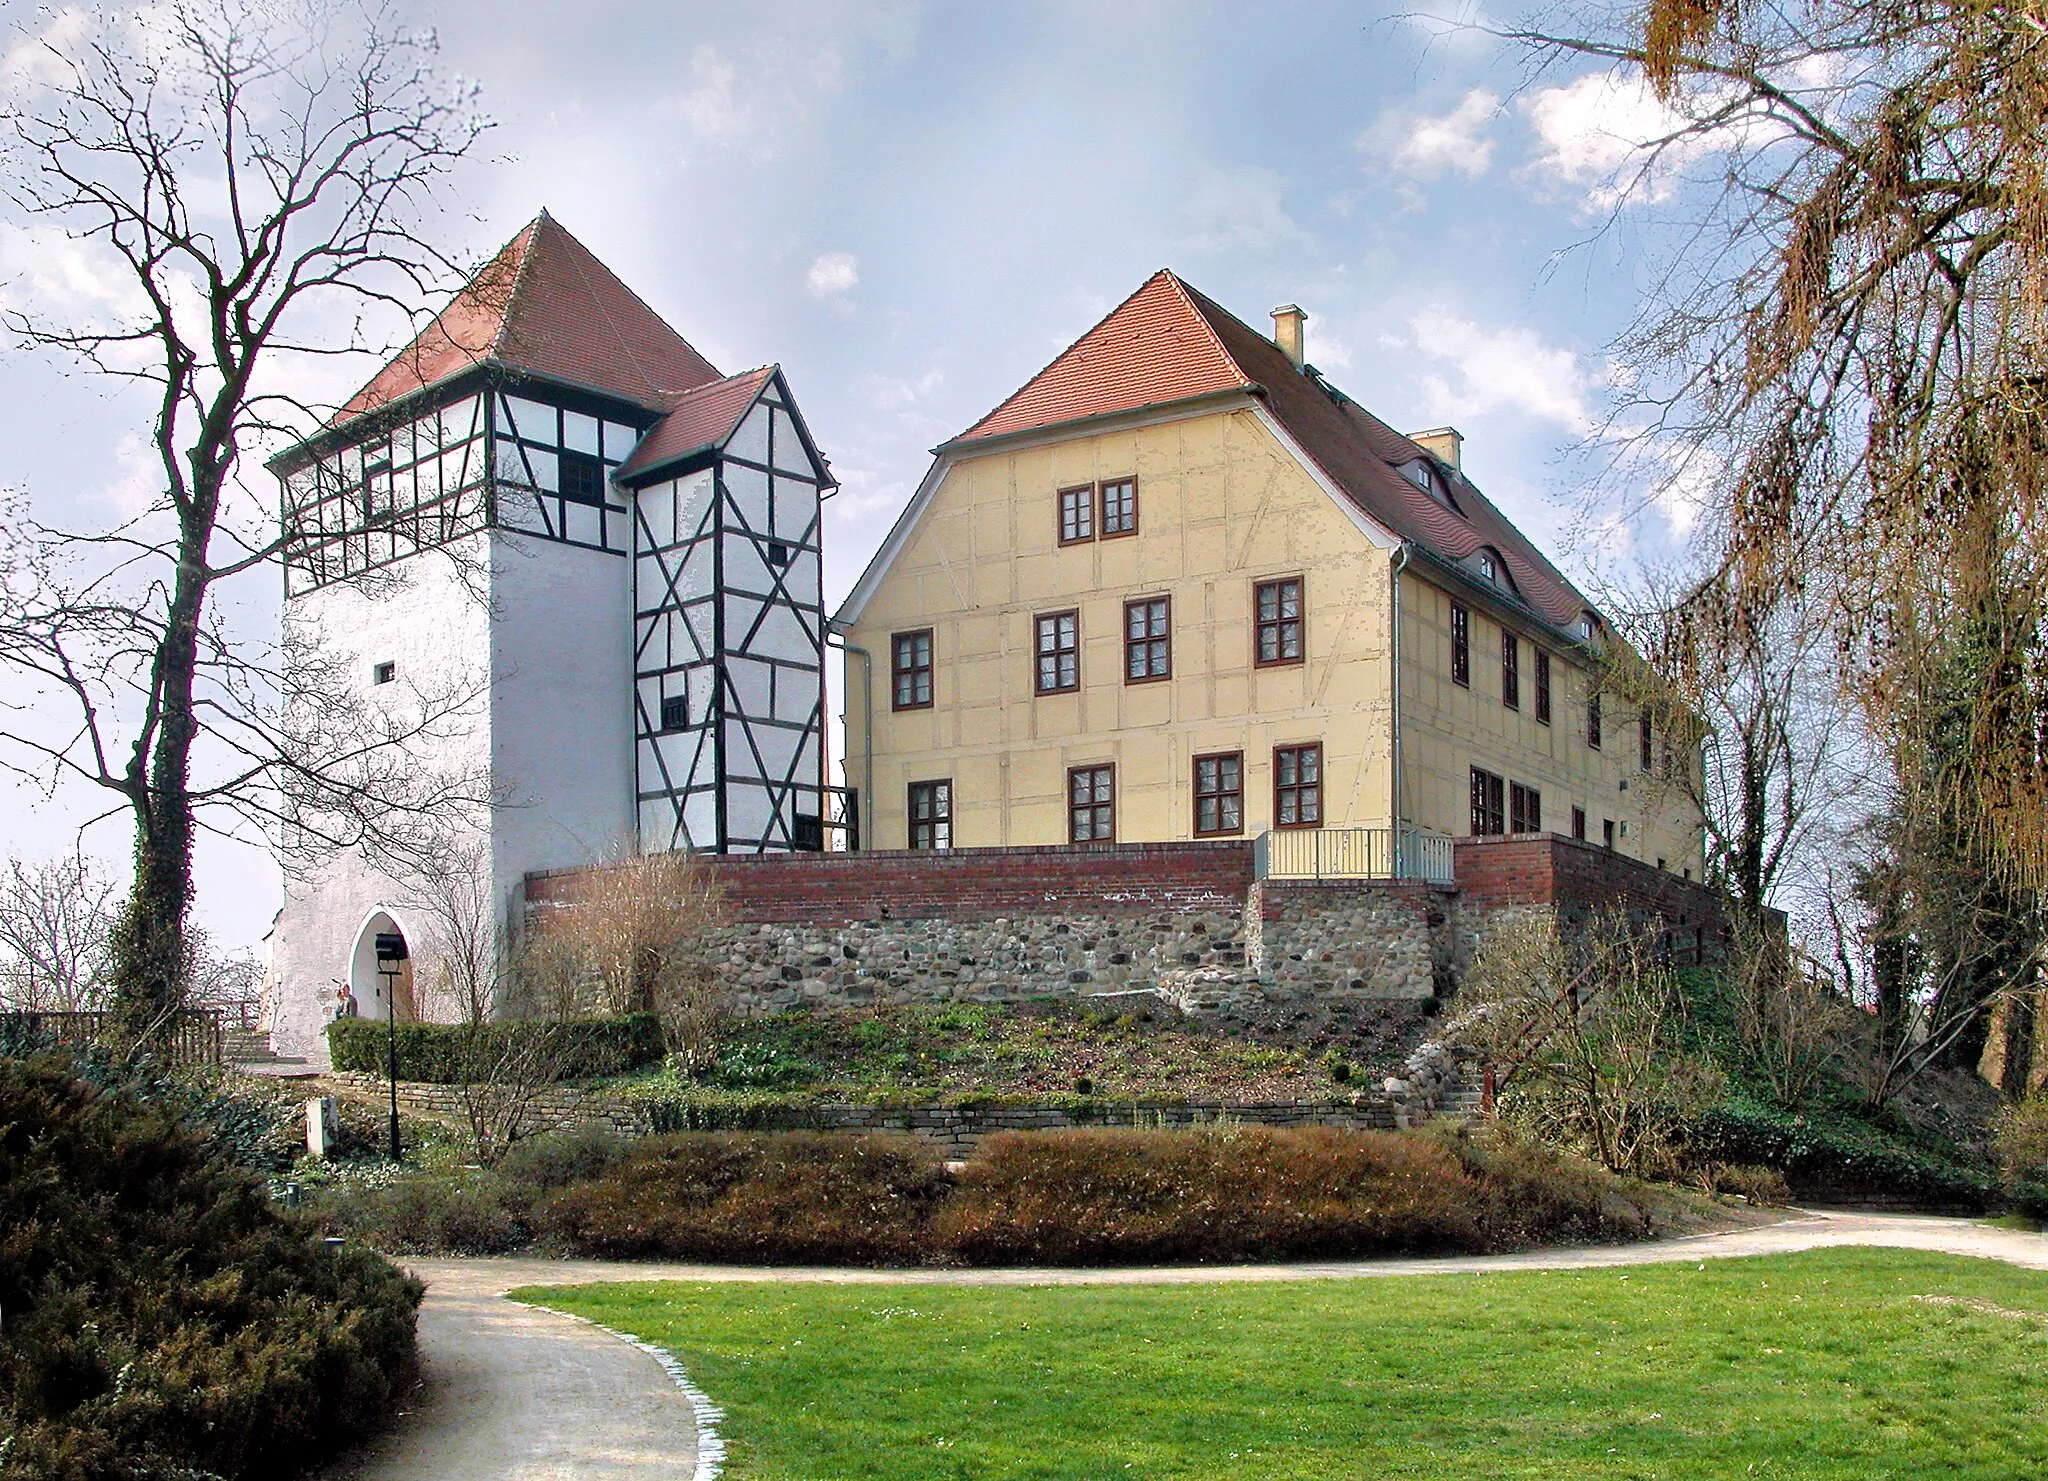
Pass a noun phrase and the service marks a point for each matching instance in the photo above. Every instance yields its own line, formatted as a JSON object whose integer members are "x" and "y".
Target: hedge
{"x": 163, "y": 1316}
{"x": 1836, "y": 1157}
{"x": 442, "y": 1053}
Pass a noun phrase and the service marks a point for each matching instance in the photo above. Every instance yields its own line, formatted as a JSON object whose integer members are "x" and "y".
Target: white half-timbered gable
{"x": 631, "y": 584}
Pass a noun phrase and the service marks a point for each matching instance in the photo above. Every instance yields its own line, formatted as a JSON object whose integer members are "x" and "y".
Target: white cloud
{"x": 1608, "y": 135}
{"x": 1499, "y": 370}
{"x": 832, "y": 273}
{"x": 1240, "y": 210}
{"x": 1455, "y": 142}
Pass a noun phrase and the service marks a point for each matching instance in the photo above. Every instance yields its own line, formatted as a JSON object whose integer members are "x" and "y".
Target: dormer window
{"x": 1426, "y": 476}
{"x": 1588, "y": 626}
{"x": 1489, "y": 567}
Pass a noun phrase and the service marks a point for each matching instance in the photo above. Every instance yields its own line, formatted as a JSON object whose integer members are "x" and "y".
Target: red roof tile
{"x": 700, "y": 419}
{"x": 1153, "y": 347}
{"x": 1167, "y": 342}
{"x": 546, "y": 306}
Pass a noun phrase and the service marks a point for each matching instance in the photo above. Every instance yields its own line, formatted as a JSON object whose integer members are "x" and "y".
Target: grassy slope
{"x": 1814, "y": 1365}
{"x": 1035, "y": 1050}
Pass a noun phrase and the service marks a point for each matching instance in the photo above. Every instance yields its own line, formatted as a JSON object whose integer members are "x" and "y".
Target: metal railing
{"x": 1354, "y": 853}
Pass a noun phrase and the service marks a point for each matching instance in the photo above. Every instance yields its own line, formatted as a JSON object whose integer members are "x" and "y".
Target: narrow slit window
{"x": 1510, "y": 670}
{"x": 1119, "y": 508}
{"x": 1278, "y": 605}
{"x": 1219, "y": 794}
{"x": 1645, "y": 742}
{"x": 1148, "y": 641}
{"x": 1461, "y": 646}
{"x": 1593, "y": 719}
{"x": 1077, "y": 515}
{"x": 1058, "y": 648}
{"x": 911, "y": 670}
{"x": 1542, "y": 687}
{"x": 1579, "y": 824}
{"x": 931, "y": 814}
{"x": 1091, "y": 804}
{"x": 1297, "y": 786}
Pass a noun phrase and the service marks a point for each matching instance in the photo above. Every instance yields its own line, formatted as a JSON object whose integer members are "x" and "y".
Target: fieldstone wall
{"x": 1350, "y": 938}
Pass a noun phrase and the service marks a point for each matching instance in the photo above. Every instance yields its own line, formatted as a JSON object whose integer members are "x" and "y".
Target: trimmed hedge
{"x": 439, "y": 1053}
{"x": 1078, "y": 1197}
{"x": 163, "y": 1317}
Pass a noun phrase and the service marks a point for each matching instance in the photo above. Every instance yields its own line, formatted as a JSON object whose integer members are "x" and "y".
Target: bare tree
{"x": 254, "y": 176}
{"x": 53, "y": 935}
{"x": 1582, "y": 1026}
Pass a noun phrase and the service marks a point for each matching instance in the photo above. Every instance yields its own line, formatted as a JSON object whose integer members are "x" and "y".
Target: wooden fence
{"x": 194, "y": 1036}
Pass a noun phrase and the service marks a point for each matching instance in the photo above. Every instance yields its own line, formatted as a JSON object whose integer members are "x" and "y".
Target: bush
{"x": 570, "y": 1154}
{"x": 1836, "y": 1157}
{"x": 787, "y": 1197}
{"x": 163, "y": 1317}
{"x": 2020, "y": 1138}
{"x": 439, "y": 1053}
{"x": 432, "y": 1213}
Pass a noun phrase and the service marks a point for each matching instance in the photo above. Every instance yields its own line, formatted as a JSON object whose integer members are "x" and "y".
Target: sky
{"x": 912, "y": 207}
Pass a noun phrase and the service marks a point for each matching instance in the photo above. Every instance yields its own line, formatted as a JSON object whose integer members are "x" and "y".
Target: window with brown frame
{"x": 1148, "y": 640}
{"x": 1645, "y": 746}
{"x": 1542, "y": 687}
{"x": 1593, "y": 719}
{"x": 1525, "y": 809}
{"x": 1077, "y": 514}
{"x": 1058, "y": 649}
{"x": 1219, "y": 794}
{"x": 1510, "y": 670}
{"x": 1091, "y": 804}
{"x": 910, "y": 670}
{"x": 1277, "y": 606}
{"x": 931, "y": 814}
{"x": 1489, "y": 799}
{"x": 1119, "y": 507}
{"x": 1297, "y": 786}
{"x": 1461, "y": 646}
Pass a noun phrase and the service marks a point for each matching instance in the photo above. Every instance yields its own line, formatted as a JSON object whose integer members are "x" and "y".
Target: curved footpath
{"x": 517, "y": 1394}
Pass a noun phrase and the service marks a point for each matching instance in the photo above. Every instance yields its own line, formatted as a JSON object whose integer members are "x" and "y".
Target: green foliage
{"x": 2020, "y": 1138}
{"x": 163, "y": 1317}
{"x": 1820, "y": 1366}
{"x": 439, "y": 1053}
{"x": 1837, "y": 1155}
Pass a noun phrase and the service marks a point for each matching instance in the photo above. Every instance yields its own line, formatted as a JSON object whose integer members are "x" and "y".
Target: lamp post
{"x": 390, "y": 953}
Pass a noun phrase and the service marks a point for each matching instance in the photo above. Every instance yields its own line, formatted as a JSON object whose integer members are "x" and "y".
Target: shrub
{"x": 441, "y": 1053}
{"x": 2020, "y": 1138}
{"x": 570, "y": 1154}
{"x": 791, "y": 1196}
{"x": 1531, "y": 1194}
{"x": 162, "y": 1315}
{"x": 1837, "y": 1158}
{"x": 441, "y": 1213}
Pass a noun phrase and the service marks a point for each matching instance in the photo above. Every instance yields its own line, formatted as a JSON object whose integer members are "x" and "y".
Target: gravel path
{"x": 521, "y": 1395}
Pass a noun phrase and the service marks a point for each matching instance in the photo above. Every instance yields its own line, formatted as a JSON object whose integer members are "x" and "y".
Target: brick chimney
{"x": 1290, "y": 333}
{"x": 1442, "y": 443}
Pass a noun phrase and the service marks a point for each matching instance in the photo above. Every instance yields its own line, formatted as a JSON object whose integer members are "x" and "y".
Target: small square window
{"x": 1091, "y": 804}
{"x": 383, "y": 673}
{"x": 910, "y": 664}
{"x": 675, "y": 712}
{"x": 1277, "y": 606}
{"x": 931, "y": 815}
{"x": 1297, "y": 786}
{"x": 582, "y": 478}
{"x": 778, "y": 553}
{"x": 1119, "y": 508}
{"x": 1148, "y": 641}
{"x": 1219, "y": 794}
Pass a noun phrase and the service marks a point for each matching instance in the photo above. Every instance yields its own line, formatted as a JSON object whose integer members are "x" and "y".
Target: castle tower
{"x": 577, "y": 569}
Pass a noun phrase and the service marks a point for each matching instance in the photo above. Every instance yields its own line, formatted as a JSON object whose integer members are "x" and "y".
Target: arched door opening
{"x": 376, "y": 988}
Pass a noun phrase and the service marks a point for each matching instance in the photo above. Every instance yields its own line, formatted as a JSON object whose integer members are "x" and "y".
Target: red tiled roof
{"x": 546, "y": 306}
{"x": 1153, "y": 347}
{"x": 700, "y": 419}
{"x": 1167, "y": 342}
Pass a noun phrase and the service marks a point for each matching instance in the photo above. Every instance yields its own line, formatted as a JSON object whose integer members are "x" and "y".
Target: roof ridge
{"x": 1191, "y": 294}
{"x": 531, "y": 231}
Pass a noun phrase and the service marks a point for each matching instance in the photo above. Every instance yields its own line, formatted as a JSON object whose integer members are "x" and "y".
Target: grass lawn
{"x": 1853, "y": 1363}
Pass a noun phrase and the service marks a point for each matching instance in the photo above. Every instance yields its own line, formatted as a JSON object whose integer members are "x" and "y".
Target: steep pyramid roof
{"x": 545, "y": 306}
{"x": 1167, "y": 343}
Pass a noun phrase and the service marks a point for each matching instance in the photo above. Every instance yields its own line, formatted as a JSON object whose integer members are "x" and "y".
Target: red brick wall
{"x": 967, "y": 883}
{"x": 1554, "y": 870}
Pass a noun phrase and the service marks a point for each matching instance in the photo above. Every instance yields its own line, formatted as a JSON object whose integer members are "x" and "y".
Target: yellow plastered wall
{"x": 1447, "y": 729}
{"x": 1222, "y": 506}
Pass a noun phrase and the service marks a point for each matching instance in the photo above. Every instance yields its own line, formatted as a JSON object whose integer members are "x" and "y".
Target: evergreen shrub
{"x": 440, "y": 1053}
{"x": 163, "y": 1317}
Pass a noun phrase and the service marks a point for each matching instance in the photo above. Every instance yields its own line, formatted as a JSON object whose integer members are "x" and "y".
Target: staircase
{"x": 248, "y": 1050}
{"x": 1460, "y": 1102}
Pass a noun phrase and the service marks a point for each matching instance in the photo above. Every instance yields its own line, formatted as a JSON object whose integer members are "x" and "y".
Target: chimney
{"x": 1289, "y": 333}
{"x": 1442, "y": 443}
